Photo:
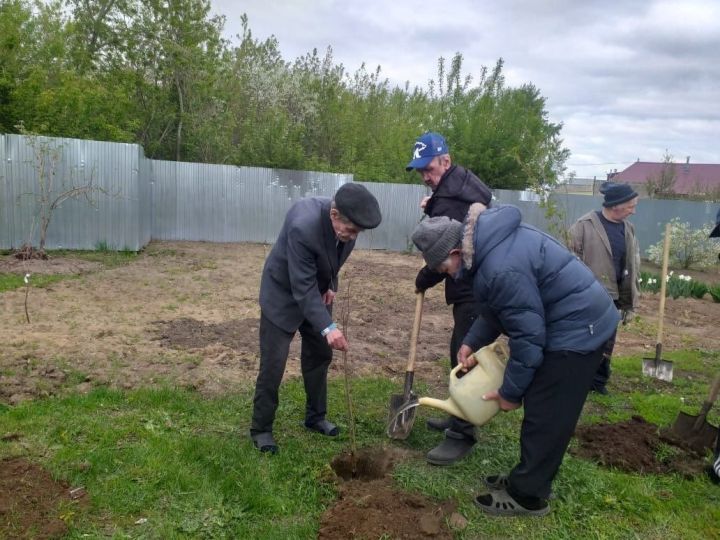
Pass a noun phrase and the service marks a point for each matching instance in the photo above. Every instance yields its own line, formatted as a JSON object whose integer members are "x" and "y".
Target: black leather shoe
{"x": 452, "y": 449}
{"x": 439, "y": 424}
{"x": 602, "y": 390}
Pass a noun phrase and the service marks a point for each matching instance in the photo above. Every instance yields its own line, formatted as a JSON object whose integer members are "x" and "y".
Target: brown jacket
{"x": 590, "y": 243}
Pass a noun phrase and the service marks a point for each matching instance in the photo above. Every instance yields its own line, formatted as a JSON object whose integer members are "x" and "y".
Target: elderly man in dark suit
{"x": 298, "y": 285}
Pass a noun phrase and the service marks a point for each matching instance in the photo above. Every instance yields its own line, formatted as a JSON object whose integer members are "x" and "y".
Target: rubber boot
{"x": 452, "y": 449}
{"x": 439, "y": 424}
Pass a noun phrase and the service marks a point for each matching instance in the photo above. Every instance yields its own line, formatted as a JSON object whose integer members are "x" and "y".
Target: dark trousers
{"x": 603, "y": 372}
{"x": 464, "y": 315}
{"x": 315, "y": 358}
{"x": 552, "y": 405}
{"x": 602, "y": 375}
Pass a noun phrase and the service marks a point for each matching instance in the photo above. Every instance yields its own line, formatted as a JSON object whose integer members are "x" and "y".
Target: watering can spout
{"x": 447, "y": 405}
{"x": 466, "y": 390}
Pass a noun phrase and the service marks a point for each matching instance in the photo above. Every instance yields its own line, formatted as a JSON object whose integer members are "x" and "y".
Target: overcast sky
{"x": 628, "y": 79}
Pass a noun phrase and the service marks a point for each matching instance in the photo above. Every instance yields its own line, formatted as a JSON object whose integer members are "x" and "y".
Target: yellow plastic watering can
{"x": 466, "y": 392}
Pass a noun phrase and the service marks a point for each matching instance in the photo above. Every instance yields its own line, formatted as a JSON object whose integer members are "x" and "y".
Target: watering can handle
{"x": 457, "y": 369}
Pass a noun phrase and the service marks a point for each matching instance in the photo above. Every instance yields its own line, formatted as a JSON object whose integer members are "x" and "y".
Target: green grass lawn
{"x": 173, "y": 464}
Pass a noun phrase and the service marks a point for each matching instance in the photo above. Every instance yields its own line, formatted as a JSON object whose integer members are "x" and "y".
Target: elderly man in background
{"x": 605, "y": 241}
{"x": 454, "y": 189}
{"x": 297, "y": 288}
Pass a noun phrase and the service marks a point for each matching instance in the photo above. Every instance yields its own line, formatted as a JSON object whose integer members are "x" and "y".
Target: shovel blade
{"x": 685, "y": 432}
{"x": 660, "y": 369}
{"x": 401, "y": 416}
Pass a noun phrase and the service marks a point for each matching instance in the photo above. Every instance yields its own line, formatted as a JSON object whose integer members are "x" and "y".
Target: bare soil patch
{"x": 32, "y": 503}
{"x": 635, "y": 446}
{"x": 55, "y": 265}
{"x": 369, "y": 507}
{"x": 186, "y": 314}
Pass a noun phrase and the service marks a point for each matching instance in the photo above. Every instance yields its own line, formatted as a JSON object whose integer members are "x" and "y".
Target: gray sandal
{"x": 265, "y": 442}
{"x": 500, "y": 481}
{"x": 496, "y": 481}
{"x": 500, "y": 503}
{"x": 324, "y": 427}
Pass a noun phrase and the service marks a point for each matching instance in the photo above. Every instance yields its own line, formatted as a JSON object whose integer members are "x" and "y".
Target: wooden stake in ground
{"x": 27, "y": 292}
{"x": 344, "y": 320}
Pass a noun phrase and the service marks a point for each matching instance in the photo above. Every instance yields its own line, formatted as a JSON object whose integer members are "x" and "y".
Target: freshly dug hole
{"x": 370, "y": 506}
{"x": 370, "y": 464}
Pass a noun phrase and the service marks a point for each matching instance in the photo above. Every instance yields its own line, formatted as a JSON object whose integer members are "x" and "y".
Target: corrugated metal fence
{"x": 140, "y": 199}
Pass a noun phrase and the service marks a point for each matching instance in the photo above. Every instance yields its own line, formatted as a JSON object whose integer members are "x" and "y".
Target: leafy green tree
{"x": 158, "y": 73}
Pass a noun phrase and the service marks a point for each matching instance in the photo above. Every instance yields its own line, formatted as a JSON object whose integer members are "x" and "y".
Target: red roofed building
{"x": 696, "y": 180}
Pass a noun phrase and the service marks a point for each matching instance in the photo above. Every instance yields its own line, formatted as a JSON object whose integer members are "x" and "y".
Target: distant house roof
{"x": 577, "y": 181}
{"x": 690, "y": 178}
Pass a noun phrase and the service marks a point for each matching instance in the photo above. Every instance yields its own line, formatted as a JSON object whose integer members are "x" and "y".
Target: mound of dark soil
{"x": 185, "y": 333}
{"x": 369, "y": 506}
{"x": 31, "y": 502}
{"x": 634, "y": 446}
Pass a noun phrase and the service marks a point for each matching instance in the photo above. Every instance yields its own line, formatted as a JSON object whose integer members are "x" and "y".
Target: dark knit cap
{"x": 436, "y": 237}
{"x": 616, "y": 193}
{"x": 357, "y": 204}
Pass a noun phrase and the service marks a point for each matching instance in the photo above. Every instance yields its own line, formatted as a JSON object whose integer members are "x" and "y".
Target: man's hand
{"x": 337, "y": 340}
{"x": 505, "y": 405}
{"x": 627, "y": 316}
{"x": 424, "y": 201}
{"x": 328, "y": 297}
{"x": 465, "y": 358}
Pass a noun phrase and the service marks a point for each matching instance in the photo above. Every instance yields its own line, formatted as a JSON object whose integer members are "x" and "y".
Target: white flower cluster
{"x": 684, "y": 278}
{"x": 650, "y": 281}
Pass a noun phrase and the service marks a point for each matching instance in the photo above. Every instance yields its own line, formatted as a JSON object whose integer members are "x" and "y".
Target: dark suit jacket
{"x": 302, "y": 265}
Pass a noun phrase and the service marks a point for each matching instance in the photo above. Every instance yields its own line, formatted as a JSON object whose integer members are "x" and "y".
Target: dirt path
{"x": 187, "y": 313}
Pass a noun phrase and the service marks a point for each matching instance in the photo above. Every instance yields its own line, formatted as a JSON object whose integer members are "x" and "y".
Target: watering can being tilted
{"x": 466, "y": 391}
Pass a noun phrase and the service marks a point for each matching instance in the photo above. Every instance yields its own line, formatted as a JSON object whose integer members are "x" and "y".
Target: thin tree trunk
{"x": 178, "y": 142}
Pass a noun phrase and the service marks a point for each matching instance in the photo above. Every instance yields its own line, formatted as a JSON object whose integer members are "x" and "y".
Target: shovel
{"x": 657, "y": 367}
{"x": 401, "y": 417}
{"x": 694, "y": 432}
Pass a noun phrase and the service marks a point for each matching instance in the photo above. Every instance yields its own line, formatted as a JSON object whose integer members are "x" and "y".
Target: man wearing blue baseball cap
{"x": 454, "y": 189}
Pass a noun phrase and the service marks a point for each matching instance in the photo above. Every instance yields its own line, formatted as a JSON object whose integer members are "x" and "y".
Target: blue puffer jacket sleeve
{"x": 517, "y": 302}
{"x": 514, "y": 307}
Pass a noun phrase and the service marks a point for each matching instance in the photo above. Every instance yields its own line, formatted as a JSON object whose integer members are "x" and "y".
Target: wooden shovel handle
{"x": 663, "y": 282}
{"x": 705, "y": 409}
{"x": 714, "y": 390}
{"x": 415, "y": 331}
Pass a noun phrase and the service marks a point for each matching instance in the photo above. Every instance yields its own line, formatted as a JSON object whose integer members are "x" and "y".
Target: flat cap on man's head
{"x": 427, "y": 146}
{"x": 436, "y": 237}
{"x": 616, "y": 194}
{"x": 357, "y": 204}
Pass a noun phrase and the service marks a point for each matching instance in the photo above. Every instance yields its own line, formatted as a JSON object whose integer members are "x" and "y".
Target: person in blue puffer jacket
{"x": 557, "y": 318}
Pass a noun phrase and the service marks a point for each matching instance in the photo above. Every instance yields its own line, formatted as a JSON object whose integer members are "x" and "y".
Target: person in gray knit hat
{"x": 557, "y": 318}
{"x": 438, "y": 236}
